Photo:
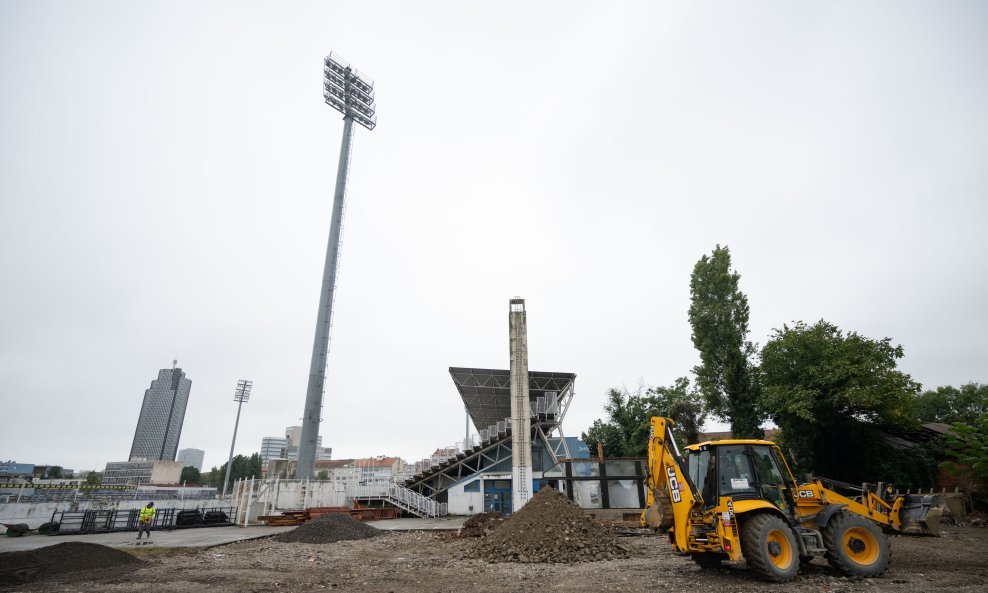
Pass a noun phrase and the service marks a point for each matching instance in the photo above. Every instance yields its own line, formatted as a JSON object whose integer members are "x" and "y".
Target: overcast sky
{"x": 167, "y": 171}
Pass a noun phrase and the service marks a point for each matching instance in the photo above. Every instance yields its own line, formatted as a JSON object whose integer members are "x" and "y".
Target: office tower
{"x": 273, "y": 448}
{"x": 160, "y": 424}
{"x": 191, "y": 458}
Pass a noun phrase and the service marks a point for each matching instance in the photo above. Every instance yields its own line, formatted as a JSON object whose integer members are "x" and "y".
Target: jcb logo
{"x": 806, "y": 494}
{"x": 673, "y": 485}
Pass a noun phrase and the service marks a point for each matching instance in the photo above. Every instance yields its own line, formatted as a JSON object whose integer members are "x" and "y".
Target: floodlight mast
{"x": 240, "y": 395}
{"x": 352, "y": 94}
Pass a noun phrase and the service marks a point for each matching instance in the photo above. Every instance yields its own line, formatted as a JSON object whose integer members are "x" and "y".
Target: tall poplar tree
{"x": 719, "y": 317}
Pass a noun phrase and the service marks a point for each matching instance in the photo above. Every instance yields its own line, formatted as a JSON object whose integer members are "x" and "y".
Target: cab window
{"x": 734, "y": 470}
{"x": 701, "y": 472}
{"x": 770, "y": 477}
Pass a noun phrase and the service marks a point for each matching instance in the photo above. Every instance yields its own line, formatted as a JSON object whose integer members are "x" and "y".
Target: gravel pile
{"x": 482, "y": 524}
{"x": 29, "y": 565}
{"x": 549, "y": 528}
{"x": 328, "y": 528}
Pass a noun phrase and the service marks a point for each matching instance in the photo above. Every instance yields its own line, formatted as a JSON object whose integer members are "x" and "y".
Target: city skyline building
{"x": 191, "y": 458}
{"x": 287, "y": 447}
{"x": 159, "y": 426}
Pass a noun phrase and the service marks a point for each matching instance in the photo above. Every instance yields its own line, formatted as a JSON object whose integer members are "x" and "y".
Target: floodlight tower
{"x": 352, "y": 94}
{"x": 240, "y": 395}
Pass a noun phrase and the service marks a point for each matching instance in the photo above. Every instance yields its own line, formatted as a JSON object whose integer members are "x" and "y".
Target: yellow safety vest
{"x": 147, "y": 515}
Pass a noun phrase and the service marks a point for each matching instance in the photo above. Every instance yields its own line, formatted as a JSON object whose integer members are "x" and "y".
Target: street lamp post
{"x": 241, "y": 395}
{"x": 351, "y": 93}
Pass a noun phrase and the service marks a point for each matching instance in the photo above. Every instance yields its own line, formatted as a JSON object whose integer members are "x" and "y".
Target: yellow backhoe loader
{"x": 737, "y": 498}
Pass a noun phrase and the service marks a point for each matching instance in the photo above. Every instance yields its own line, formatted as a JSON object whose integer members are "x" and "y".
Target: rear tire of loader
{"x": 856, "y": 546}
{"x": 769, "y": 548}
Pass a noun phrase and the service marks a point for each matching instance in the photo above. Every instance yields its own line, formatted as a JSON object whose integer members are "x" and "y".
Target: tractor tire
{"x": 769, "y": 548}
{"x": 708, "y": 559}
{"x": 856, "y": 545}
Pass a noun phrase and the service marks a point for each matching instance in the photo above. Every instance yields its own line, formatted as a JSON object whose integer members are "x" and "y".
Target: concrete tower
{"x": 521, "y": 419}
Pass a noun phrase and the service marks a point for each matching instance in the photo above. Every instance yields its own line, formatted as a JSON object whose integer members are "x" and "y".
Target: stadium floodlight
{"x": 240, "y": 395}
{"x": 350, "y": 92}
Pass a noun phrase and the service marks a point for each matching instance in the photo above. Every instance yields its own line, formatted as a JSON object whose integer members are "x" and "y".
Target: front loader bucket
{"x": 920, "y": 515}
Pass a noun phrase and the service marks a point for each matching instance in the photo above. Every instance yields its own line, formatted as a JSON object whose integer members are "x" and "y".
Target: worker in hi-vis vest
{"x": 145, "y": 519}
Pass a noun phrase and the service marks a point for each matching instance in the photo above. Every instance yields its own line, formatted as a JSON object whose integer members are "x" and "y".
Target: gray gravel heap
{"x": 549, "y": 528}
{"x": 328, "y": 528}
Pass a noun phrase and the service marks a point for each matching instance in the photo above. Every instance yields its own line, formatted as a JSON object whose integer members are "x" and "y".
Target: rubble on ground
{"x": 549, "y": 528}
{"x": 975, "y": 519}
{"x": 328, "y": 528}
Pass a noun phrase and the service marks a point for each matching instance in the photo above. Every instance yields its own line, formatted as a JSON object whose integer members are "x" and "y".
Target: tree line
{"x": 842, "y": 407}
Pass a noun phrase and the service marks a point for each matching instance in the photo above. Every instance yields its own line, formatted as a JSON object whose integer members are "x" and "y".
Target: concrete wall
{"x": 273, "y": 496}
{"x": 460, "y": 502}
{"x": 166, "y": 472}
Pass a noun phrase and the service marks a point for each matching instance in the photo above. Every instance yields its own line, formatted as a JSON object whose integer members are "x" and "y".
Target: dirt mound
{"x": 329, "y": 528}
{"x": 30, "y": 565}
{"x": 549, "y": 528}
{"x": 482, "y": 524}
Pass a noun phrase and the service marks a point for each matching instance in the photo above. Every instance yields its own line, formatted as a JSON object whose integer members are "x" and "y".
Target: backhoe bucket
{"x": 920, "y": 515}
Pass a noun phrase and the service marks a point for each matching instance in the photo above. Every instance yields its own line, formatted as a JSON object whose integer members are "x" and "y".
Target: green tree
{"x": 949, "y": 404}
{"x": 967, "y": 443}
{"x": 94, "y": 478}
{"x": 54, "y": 472}
{"x": 323, "y": 475}
{"x": 624, "y": 432}
{"x": 833, "y": 396}
{"x": 190, "y": 475}
{"x": 684, "y": 405}
{"x": 719, "y": 317}
{"x": 241, "y": 468}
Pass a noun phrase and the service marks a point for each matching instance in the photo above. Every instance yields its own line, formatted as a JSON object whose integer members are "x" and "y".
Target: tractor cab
{"x": 742, "y": 470}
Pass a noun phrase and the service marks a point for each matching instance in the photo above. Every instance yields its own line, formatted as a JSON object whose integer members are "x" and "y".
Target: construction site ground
{"x": 438, "y": 561}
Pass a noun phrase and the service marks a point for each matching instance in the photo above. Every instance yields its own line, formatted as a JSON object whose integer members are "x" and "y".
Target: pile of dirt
{"x": 482, "y": 524}
{"x": 29, "y": 565}
{"x": 328, "y": 528}
{"x": 549, "y": 528}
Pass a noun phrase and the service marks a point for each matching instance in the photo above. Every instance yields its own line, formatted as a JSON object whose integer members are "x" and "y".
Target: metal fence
{"x": 107, "y": 520}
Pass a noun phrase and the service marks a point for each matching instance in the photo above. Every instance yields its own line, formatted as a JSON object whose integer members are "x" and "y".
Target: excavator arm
{"x": 671, "y": 495}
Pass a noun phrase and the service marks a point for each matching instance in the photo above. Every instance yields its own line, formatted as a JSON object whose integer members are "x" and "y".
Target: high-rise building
{"x": 287, "y": 448}
{"x": 191, "y": 457}
{"x": 273, "y": 448}
{"x": 160, "y": 424}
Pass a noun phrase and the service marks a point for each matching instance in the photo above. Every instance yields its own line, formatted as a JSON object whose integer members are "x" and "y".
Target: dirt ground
{"x": 431, "y": 562}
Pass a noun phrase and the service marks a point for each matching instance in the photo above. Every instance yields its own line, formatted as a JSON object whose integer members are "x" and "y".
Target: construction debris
{"x": 30, "y": 565}
{"x": 549, "y": 528}
{"x": 328, "y": 528}
{"x": 289, "y": 518}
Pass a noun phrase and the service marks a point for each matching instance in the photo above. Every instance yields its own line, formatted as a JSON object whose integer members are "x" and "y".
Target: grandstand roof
{"x": 486, "y": 393}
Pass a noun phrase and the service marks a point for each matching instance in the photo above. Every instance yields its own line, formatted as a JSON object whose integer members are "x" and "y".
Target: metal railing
{"x": 403, "y": 498}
